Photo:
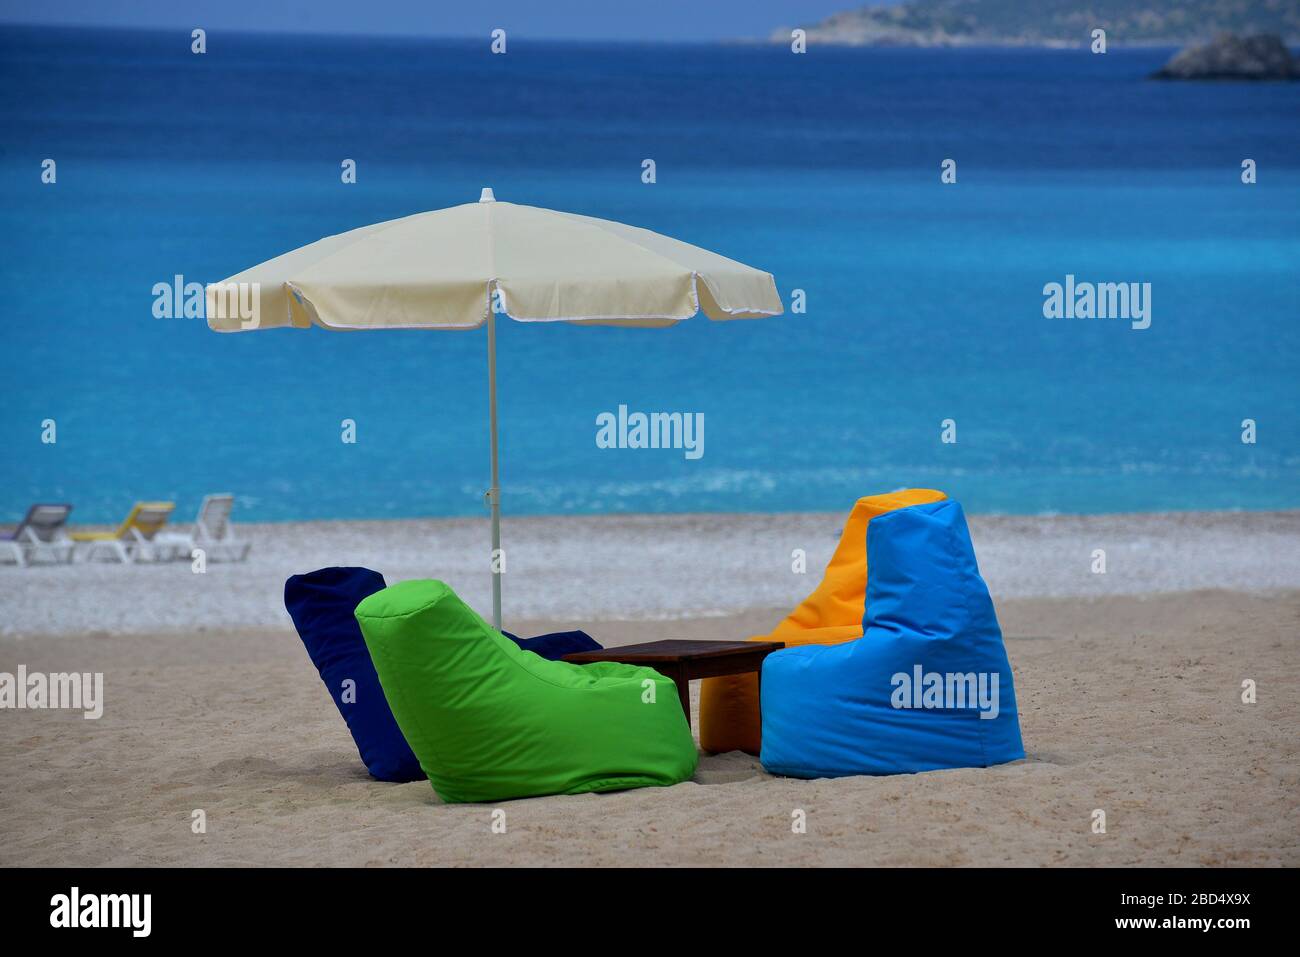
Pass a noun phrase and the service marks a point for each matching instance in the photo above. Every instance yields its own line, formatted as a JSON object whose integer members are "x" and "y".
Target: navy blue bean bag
{"x": 321, "y": 604}
{"x": 556, "y": 645}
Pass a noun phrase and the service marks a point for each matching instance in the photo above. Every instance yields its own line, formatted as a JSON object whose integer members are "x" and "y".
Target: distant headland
{"x": 1049, "y": 23}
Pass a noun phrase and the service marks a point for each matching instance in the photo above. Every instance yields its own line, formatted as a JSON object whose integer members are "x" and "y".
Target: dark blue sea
{"x": 924, "y": 300}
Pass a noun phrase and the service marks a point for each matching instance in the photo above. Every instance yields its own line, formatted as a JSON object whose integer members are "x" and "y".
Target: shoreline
{"x": 645, "y": 567}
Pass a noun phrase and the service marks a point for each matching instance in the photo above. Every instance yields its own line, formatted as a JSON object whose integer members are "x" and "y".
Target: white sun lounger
{"x": 213, "y": 532}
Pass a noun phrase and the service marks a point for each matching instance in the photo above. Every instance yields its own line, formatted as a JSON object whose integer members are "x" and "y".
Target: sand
{"x": 1130, "y": 703}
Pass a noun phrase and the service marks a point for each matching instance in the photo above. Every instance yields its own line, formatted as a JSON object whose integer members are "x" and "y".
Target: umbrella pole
{"x": 494, "y": 493}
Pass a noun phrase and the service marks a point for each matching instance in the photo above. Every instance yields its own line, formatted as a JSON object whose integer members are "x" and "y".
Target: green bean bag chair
{"x": 489, "y": 721}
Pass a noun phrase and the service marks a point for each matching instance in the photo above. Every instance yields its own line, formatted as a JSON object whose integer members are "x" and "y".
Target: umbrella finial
{"x": 486, "y": 196}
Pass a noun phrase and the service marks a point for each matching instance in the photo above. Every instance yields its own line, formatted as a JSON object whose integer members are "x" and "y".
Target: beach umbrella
{"x": 445, "y": 269}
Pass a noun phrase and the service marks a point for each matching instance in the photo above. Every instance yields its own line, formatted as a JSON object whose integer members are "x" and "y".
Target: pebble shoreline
{"x": 581, "y": 568}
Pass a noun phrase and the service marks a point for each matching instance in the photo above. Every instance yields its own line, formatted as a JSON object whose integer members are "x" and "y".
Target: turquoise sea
{"x": 924, "y": 300}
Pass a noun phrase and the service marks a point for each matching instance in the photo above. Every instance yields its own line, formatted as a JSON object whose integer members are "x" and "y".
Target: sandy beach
{"x": 1129, "y": 687}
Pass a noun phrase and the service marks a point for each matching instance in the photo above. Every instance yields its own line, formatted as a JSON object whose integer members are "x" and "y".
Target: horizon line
{"x": 754, "y": 41}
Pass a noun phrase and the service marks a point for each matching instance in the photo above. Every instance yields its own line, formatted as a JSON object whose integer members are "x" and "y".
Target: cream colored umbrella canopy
{"x": 443, "y": 269}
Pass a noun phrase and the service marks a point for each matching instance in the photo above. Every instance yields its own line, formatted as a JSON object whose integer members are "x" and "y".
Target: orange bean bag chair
{"x": 729, "y": 716}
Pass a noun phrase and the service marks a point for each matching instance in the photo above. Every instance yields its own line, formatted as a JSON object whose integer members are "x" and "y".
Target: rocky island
{"x": 1228, "y": 57}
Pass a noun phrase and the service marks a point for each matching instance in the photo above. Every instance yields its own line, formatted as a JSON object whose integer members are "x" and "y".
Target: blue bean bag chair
{"x": 555, "y": 646}
{"x": 322, "y": 604}
{"x": 927, "y": 686}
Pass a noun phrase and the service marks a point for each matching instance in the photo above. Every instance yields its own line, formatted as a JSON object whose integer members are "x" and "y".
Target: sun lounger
{"x": 132, "y": 540}
{"x": 40, "y": 535}
{"x": 213, "y": 532}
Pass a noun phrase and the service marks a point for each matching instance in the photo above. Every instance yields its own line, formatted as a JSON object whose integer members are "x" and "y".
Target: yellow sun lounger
{"x": 132, "y": 540}
{"x": 729, "y": 712}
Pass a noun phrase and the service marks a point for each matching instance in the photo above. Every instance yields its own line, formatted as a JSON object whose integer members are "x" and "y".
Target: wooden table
{"x": 683, "y": 660}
